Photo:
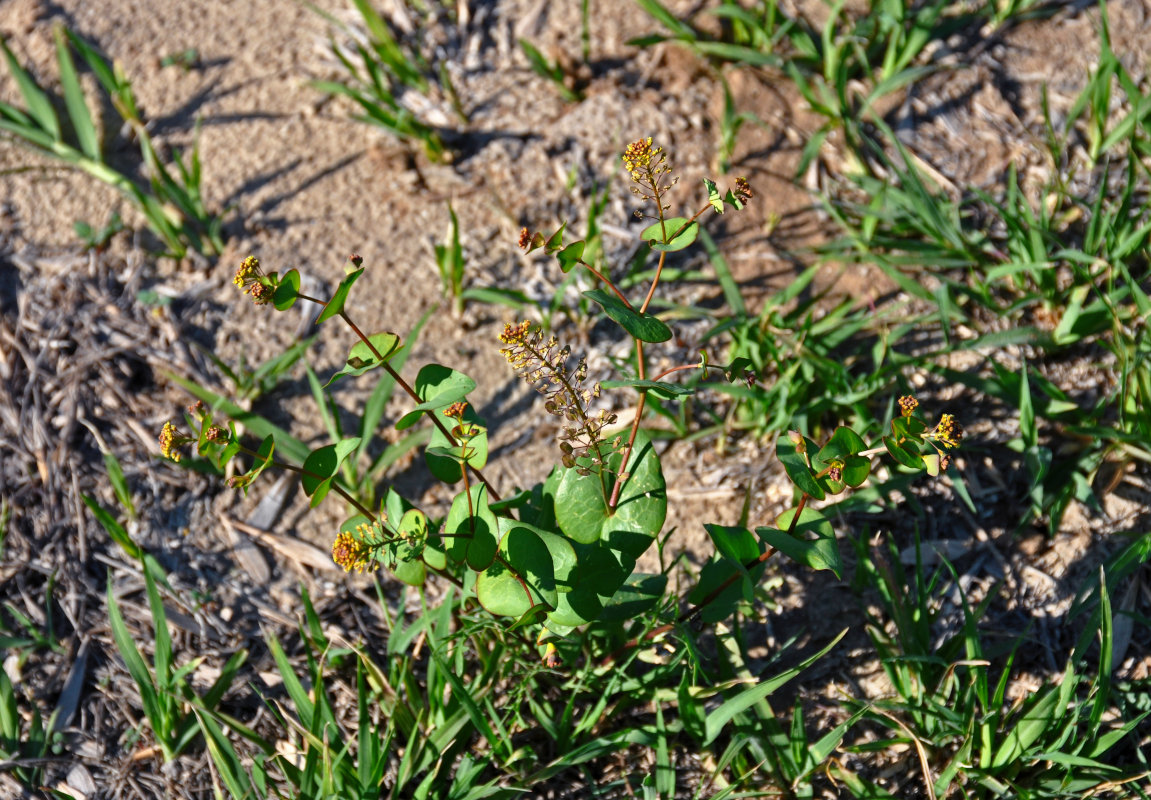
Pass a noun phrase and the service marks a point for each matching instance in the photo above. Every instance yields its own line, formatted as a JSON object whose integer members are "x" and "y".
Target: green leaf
{"x": 598, "y": 575}
{"x": 644, "y": 327}
{"x": 902, "y": 454}
{"x": 582, "y": 512}
{"x": 856, "y": 469}
{"x": 658, "y": 388}
{"x": 843, "y": 442}
{"x": 571, "y": 256}
{"x": 471, "y": 530}
{"x": 339, "y": 297}
{"x": 796, "y": 467}
{"x": 135, "y": 663}
{"x": 713, "y": 195}
{"x": 74, "y": 99}
{"x": 113, "y": 528}
{"x": 37, "y": 102}
{"x": 413, "y": 523}
{"x": 321, "y": 465}
{"x": 556, "y": 240}
{"x": 447, "y": 468}
{"x": 439, "y": 387}
{"x": 812, "y": 543}
{"x": 931, "y": 461}
{"x": 263, "y": 458}
{"x": 640, "y": 593}
{"x": 506, "y": 593}
{"x": 565, "y": 562}
{"x": 672, "y": 234}
{"x": 287, "y": 292}
{"x": 718, "y": 719}
{"x": 361, "y": 358}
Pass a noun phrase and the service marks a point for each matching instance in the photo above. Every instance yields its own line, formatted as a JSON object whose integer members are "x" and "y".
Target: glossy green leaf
{"x": 582, "y": 512}
{"x": 812, "y": 543}
{"x": 321, "y": 465}
{"x": 796, "y": 467}
{"x": 471, "y": 530}
{"x": 571, "y": 256}
{"x": 909, "y": 428}
{"x": 563, "y": 554}
{"x": 843, "y": 442}
{"x": 288, "y": 290}
{"x": 672, "y": 234}
{"x": 438, "y": 387}
{"x": 903, "y": 454}
{"x": 339, "y": 297}
{"x": 361, "y": 358}
{"x": 598, "y": 575}
{"x": 856, "y": 469}
{"x": 644, "y": 327}
{"x": 640, "y": 593}
{"x": 506, "y": 593}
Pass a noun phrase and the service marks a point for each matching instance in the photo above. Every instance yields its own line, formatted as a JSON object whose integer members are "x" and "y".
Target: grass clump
{"x": 171, "y": 201}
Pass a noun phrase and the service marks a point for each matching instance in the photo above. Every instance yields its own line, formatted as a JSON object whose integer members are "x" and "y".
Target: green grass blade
{"x": 718, "y": 719}
{"x": 78, "y": 113}
{"x": 137, "y": 669}
{"x": 37, "y": 101}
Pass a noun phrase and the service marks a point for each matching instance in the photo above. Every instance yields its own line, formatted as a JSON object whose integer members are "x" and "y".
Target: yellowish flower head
{"x": 352, "y": 553}
{"x": 170, "y": 441}
{"x": 949, "y": 431}
{"x": 637, "y": 157}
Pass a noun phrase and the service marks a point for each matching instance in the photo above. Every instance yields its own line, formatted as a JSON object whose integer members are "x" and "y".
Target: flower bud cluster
{"x": 650, "y": 171}
{"x": 251, "y": 279}
{"x": 949, "y": 431}
{"x": 358, "y": 551}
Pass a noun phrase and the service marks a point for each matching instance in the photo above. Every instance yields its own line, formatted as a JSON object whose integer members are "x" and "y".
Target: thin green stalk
{"x": 404, "y": 385}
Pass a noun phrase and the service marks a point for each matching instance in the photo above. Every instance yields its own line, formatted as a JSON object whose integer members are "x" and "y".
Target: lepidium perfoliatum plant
{"x": 564, "y": 552}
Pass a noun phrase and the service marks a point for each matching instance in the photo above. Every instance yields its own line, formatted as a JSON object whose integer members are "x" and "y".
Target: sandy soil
{"x": 304, "y": 186}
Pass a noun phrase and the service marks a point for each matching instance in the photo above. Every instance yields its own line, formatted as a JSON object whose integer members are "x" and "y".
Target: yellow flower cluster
{"x": 908, "y": 404}
{"x": 249, "y": 277}
{"x": 638, "y": 156}
{"x": 949, "y": 431}
{"x": 170, "y": 441}
{"x": 648, "y": 167}
{"x": 353, "y": 553}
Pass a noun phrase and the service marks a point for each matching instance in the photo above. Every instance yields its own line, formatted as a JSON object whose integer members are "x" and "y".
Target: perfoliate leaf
{"x": 796, "y": 467}
{"x": 321, "y": 465}
{"x": 336, "y": 304}
{"x": 288, "y": 290}
{"x": 713, "y": 195}
{"x": 672, "y": 234}
{"x": 361, "y": 358}
{"x": 571, "y": 256}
